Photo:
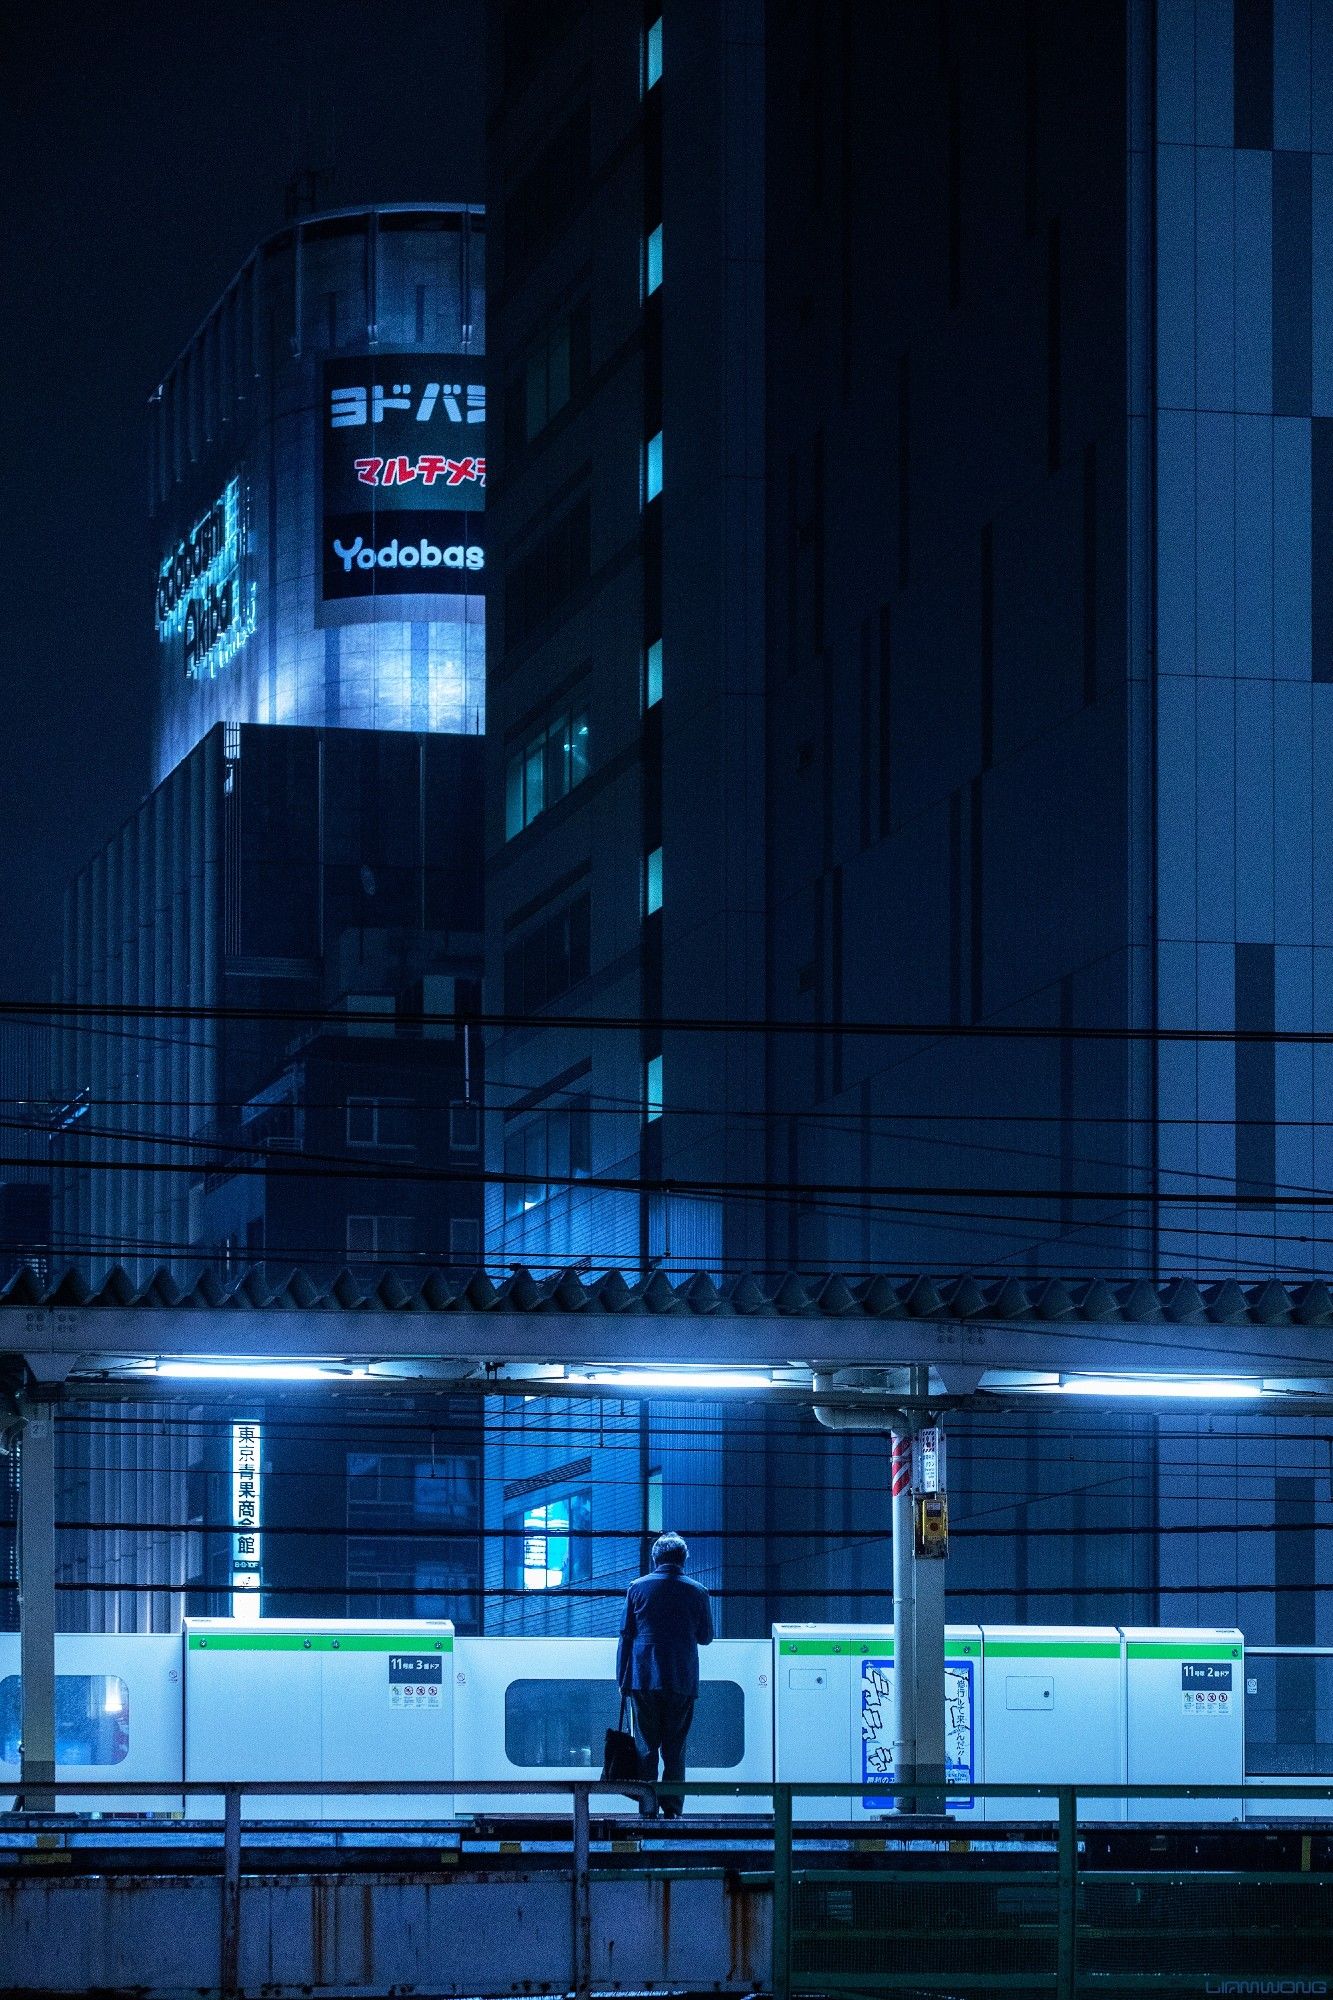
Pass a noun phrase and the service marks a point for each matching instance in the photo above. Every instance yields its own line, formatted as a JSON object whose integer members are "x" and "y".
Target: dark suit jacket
{"x": 667, "y": 1618}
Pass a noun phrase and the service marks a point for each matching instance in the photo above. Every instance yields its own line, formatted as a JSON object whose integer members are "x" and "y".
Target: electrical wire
{"x": 35, "y": 1013}
{"x": 794, "y": 1192}
{"x": 437, "y": 1533}
{"x": 575, "y": 1592}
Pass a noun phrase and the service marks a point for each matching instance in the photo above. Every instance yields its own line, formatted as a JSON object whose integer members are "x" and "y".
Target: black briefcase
{"x": 620, "y": 1760}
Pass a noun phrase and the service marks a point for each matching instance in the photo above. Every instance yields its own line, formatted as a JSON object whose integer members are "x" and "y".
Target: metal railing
{"x": 965, "y": 1925}
{"x": 944, "y": 1906}
{"x": 580, "y": 1790}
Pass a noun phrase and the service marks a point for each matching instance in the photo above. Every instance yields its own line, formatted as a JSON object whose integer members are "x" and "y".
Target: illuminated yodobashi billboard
{"x": 404, "y": 475}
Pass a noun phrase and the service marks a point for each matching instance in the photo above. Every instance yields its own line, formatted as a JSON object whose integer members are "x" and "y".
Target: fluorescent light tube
{"x": 256, "y": 1371}
{"x": 1157, "y": 1387}
{"x": 681, "y": 1378}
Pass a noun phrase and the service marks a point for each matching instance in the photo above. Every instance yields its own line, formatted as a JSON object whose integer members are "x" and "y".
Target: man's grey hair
{"x": 671, "y": 1548}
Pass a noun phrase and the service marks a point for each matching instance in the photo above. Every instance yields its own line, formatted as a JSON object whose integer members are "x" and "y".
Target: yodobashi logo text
{"x": 1266, "y": 1986}
{"x": 423, "y": 554}
{"x": 419, "y": 551}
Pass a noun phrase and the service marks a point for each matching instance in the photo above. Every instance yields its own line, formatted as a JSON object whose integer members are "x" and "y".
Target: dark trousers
{"x": 663, "y": 1721}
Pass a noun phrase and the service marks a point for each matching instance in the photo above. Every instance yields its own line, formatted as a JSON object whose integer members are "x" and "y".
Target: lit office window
{"x": 652, "y": 55}
{"x": 652, "y": 467}
{"x": 652, "y": 675}
{"x": 652, "y": 261}
{"x": 652, "y": 1089}
{"x": 546, "y": 768}
{"x": 654, "y": 1497}
{"x": 547, "y": 1545}
{"x": 652, "y": 886}
{"x": 514, "y": 820}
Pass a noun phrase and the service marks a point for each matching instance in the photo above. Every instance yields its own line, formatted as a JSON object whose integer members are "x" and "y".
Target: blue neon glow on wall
{"x": 202, "y": 598}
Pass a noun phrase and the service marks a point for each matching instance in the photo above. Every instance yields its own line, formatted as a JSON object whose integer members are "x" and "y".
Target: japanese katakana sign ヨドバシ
{"x": 404, "y": 474}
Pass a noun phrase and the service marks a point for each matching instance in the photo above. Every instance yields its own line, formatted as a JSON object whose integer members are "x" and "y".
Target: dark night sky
{"x": 147, "y": 148}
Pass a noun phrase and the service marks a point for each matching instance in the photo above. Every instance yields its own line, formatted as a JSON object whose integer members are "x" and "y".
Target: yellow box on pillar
{"x": 932, "y": 1525}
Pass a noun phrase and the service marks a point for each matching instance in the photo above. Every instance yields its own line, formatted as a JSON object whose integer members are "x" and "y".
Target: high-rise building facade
{"x": 313, "y": 840}
{"x": 299, "y": 889}
{"x": 994, "y": 563}
{"x": 274, "y": 905}
{"x": 911, "y": 488}
{"x": 25, "y": 1193}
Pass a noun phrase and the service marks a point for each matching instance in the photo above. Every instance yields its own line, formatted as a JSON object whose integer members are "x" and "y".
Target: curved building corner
{"x": 317, "y": 469}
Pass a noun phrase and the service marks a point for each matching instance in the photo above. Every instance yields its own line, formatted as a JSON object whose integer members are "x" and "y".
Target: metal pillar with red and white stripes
{"x": 918, "y": 1612}
{"x": 904, "y": 1616}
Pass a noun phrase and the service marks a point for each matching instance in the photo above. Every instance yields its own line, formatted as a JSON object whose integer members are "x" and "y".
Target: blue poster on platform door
{"x": 877, "y": 1730}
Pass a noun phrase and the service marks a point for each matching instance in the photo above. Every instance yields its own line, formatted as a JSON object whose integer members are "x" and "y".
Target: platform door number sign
{"x": 1205, "y": 1687}
{"x": 246, "y": 1480}
{"x": 416, "y": 1681}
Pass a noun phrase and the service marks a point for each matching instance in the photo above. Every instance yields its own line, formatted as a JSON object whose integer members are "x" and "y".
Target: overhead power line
{"x": 391, "y": 1017}
{"x": 789, "y": 1191}
{"x": 434, "y": 1531}
{"x": 615, "y": 1592}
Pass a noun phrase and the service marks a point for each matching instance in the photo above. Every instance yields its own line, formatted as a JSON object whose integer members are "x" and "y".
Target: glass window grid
{"x": 549, "y": 958}
{"x": 385, "y": 1488}
{"x": 558, "y": 1143}
{"x": 464, "y": 1128}
{"x": 546, "y": 768}
{"x": 380, "y": 1236}
{"x": 464, "y": 1240}
{"x": 555, "y": 371}
{"x": 385, "y": 1122}
{"x": 546, "y": 1543}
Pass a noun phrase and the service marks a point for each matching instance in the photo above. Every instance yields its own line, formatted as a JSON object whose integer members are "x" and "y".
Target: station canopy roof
{"x": 827, "y": 1338}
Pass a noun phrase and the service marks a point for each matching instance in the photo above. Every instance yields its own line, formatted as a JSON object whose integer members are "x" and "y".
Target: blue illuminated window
{"x": 652, "y": 887}
{"x": 652, "y": 261}
{"x": 545, "y": 768}
{"x": 652, "y": 675}
{"x": 652, "y": 1089}
{"x": 547, "y": 1544}
{"x": 652, "y": 55}
{"x": 652, "y": 467}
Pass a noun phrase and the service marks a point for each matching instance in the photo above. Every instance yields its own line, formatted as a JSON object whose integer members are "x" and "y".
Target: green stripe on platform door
{"x": 1052, "y": 1649}
{"x": 318, "y": 1642}
{"x": 859, "y": 1649}
{"x": 1182, "y": 1649}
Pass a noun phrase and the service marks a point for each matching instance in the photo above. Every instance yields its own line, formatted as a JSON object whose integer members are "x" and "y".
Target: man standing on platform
{"x": 668, "y": 1616}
